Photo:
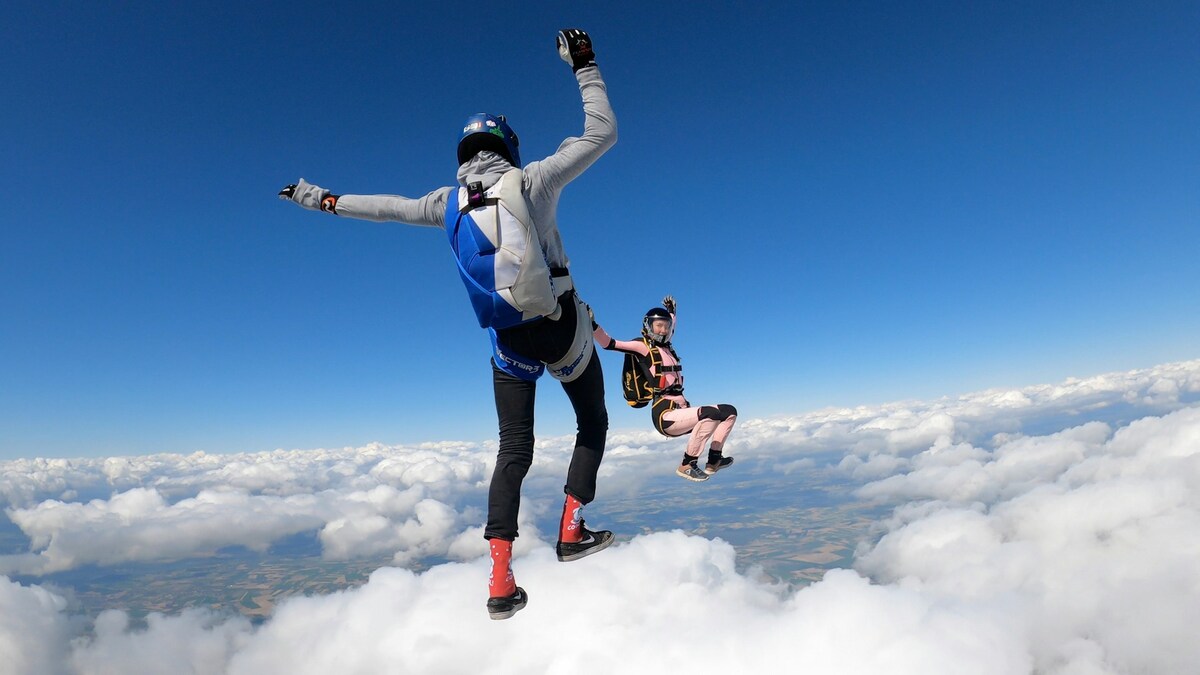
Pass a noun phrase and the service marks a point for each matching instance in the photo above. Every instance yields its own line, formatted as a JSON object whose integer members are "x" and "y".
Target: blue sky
{"x": 852, "y": 202}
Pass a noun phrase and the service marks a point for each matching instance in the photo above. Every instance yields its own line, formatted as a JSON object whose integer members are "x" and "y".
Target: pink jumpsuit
{"x": 672, "y": 414}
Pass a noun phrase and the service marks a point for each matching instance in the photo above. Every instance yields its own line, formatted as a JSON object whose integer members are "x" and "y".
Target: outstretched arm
{"x": 429, "y": 210}
{"x": 606, "y": 341}
{"x": 576, "y": 154}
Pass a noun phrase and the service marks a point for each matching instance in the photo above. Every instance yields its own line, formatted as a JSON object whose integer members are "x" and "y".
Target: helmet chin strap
{"x": 656, "y": 337}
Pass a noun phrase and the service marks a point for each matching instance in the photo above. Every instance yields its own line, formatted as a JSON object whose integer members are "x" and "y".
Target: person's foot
{"x": 502, "y": 608}
{"x": 691, "y": 472}
{"x": 712, "y": 468}
{"x": 592, "y": 542}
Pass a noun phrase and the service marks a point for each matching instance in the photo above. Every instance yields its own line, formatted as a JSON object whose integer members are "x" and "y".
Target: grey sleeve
{"x": 576, "y": 154}
{"x": 429, "y": 210}
{"x": 308, "y": 195}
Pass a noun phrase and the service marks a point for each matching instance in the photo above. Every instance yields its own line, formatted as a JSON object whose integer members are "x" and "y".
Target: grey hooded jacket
{"x": 544, "y": 179}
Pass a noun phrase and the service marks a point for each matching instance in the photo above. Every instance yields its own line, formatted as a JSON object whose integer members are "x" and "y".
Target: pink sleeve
{"x": 606, "y": 341}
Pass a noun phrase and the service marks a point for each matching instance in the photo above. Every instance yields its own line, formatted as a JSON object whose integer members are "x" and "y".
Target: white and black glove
{"x": 310, "y": 196}
{"x": 669, "y": 304}
{"x": 575, "y": 47}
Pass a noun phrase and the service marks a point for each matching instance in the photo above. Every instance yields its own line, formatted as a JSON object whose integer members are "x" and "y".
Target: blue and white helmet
{"x": 488, "y": 132}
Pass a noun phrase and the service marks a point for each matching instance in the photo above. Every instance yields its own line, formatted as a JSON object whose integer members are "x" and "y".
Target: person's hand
{"x": 592, "y": 316}
{"x": 309, "y": 196}
{"x": 669, "y": 304}
{"x": 575, "y": 47}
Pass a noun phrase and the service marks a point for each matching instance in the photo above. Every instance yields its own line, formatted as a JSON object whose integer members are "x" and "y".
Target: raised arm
{"x": 669, "y": 305}
{"x": 429, "y": 210}
{"x": 576, "y": 154}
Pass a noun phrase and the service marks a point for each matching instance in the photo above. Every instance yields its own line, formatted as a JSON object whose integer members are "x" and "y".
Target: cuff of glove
{"x": 308, "y": 195}
{"x": 589, "y": 64}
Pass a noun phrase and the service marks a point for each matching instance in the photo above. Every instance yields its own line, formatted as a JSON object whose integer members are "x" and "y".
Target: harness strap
{"x": 656, "y": 361}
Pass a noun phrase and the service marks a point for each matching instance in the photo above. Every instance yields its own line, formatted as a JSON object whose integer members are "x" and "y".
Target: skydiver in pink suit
{"x": 671, "y": 413}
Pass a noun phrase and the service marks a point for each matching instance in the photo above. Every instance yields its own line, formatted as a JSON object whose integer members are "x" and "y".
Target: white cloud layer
{"x": 1067, "y": 551}
{"x": 658, "y": 603}
{"x": 415, "y": 502}
{"x": 1092, "y": 537}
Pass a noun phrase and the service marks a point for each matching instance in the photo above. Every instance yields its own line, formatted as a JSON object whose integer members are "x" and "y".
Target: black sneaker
{"x": 593, "y": 542}
{"x": 502, "y": 608}
{"x": 710, "y": 469}
{"x": 691, "y": 472}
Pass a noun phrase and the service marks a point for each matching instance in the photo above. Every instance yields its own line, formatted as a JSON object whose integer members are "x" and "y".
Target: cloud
{"x": 413, "y": 501}
{"x": 1093, "y": 534}
{"x": 194, "y": 641}
{"x": 907, "y": 427}
{"x": 1070, "y": 550}
{"x": 140, "y": 525}
{"x": 34, "y": 629}
{"x": 964, "y": 473}
{"x": 362, "y": 501}
{"x": 660, "y": 602}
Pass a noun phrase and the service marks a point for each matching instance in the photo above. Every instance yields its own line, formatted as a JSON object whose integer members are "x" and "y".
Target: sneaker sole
{"x": 694, "y": 480}
{"x": 712, "y": 471}
{"x": 498, "y": 616}
{"x": 586, "y": 552}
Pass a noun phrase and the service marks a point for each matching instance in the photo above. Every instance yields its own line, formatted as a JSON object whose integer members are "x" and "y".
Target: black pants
{"x": 546, "y": 341}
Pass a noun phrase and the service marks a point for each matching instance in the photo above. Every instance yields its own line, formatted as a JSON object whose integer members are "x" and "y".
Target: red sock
{"x": 501, "y": 582}
{"x": 571, "y": 528}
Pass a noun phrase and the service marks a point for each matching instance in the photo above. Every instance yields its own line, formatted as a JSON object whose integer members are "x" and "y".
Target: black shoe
{"x": 593, "y": 542}
{"x": 710, "y": 468}
{"x": 691, "y": 472}
{"x": 502, "y": 608}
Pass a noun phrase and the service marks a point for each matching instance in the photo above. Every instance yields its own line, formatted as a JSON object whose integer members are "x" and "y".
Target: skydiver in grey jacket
{"x": 561, "y": 342}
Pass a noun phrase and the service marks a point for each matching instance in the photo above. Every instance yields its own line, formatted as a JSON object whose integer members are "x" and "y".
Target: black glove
{"x": 669, "y": 304}
{"x": 575, "y": 47}
{"x": 287, "y": 191}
